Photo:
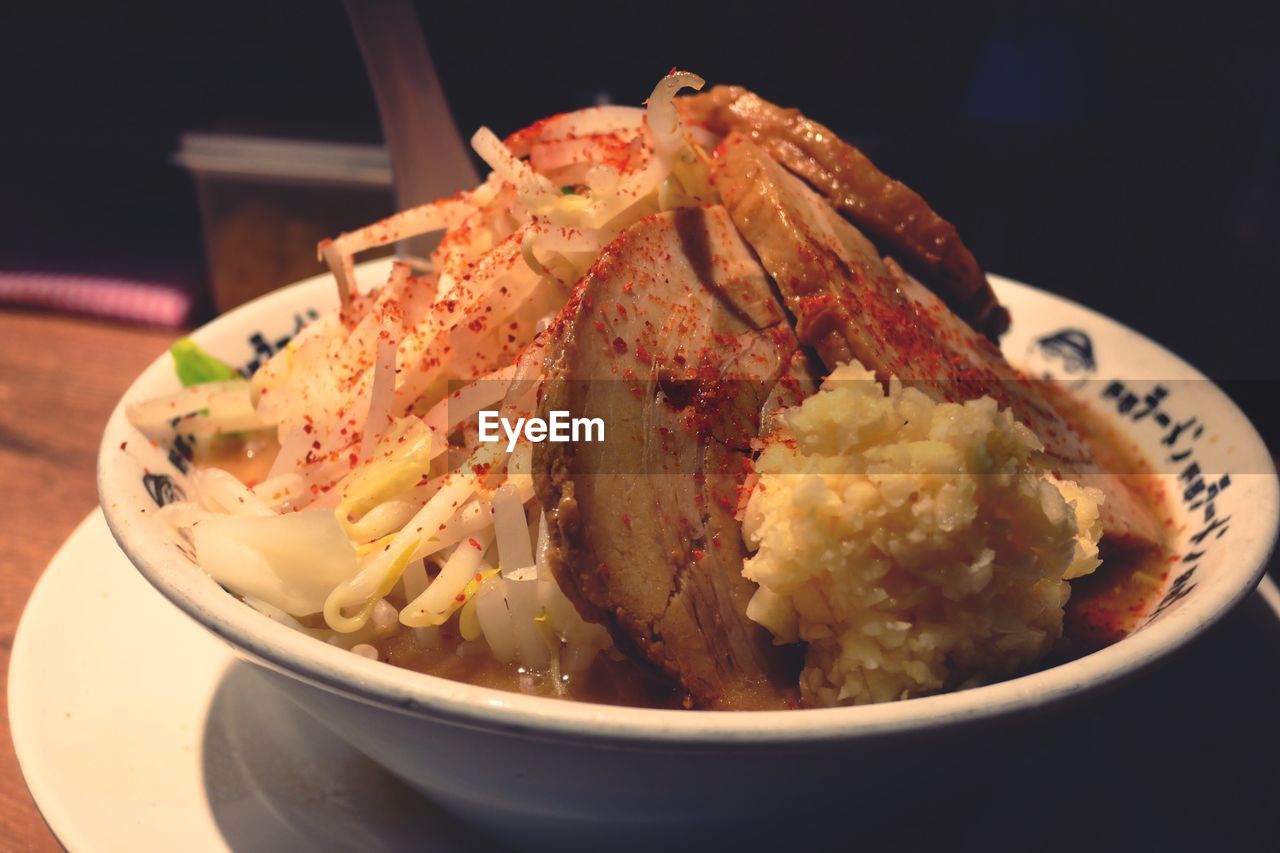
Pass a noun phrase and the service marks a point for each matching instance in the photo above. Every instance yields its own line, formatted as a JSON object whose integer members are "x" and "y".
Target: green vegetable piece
{"x": 194, "y": 366}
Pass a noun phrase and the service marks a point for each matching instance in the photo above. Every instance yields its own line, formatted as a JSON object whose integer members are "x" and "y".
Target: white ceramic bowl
{"x": 534, "y": 769}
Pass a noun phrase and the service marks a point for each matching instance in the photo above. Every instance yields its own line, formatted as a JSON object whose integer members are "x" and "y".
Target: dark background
{"x": 1129, "y": 158}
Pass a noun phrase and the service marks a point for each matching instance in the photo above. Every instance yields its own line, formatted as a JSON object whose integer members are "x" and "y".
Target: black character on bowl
{"x": 162, "y": 489}
{"x": 1072, "y": 347}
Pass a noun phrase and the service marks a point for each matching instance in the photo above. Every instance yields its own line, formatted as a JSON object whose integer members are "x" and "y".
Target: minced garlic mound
{"x": 913, "y": 545}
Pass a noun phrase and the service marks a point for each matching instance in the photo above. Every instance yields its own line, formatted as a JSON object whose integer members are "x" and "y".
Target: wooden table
{"x": 59, "y": 380}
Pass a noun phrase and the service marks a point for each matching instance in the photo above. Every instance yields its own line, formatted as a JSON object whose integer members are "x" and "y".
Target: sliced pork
{"x": 849, "y": 303}
{"x": 888, "y": 210}
{"x": 676, "y": 339}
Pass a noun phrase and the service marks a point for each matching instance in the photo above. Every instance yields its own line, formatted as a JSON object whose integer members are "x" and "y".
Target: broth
{"x": 247, "y": 455}
{"x": 605, "y": 680}
{"x": 1107, "y": 605}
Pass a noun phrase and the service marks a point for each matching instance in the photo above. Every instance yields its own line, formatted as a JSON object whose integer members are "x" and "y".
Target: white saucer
{"x": 136, "y": 730}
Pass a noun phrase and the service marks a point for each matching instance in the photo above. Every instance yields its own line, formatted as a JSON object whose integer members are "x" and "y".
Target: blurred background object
{"x": 1127, "y": 155}
{"x": 265, "y": 204}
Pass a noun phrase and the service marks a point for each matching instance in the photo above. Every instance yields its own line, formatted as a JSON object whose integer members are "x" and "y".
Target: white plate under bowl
{"x": 138, "y": 730}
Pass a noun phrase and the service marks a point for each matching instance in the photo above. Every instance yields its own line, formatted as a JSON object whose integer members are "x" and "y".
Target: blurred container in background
{"x": 265, "y": 204}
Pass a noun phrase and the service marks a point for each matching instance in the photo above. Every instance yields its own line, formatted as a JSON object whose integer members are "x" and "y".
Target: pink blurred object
{"x": 107, "y": 297}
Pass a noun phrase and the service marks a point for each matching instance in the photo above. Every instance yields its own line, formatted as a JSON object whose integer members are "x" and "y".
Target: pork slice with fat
{"x": 889, "y": 210}
{"x": 676, "y": 340}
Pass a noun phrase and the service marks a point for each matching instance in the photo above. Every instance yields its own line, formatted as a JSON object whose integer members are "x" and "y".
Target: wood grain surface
{"x": 60, "y": 377}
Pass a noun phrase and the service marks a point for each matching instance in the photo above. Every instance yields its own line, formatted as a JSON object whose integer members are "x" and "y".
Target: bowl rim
{"x": 319, "y": 664}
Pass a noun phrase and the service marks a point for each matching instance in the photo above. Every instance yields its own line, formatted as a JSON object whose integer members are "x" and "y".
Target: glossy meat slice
{"x": 888, "y": 210}
{"x": 676, "y": 339}
{"x": 849, "y": 303}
